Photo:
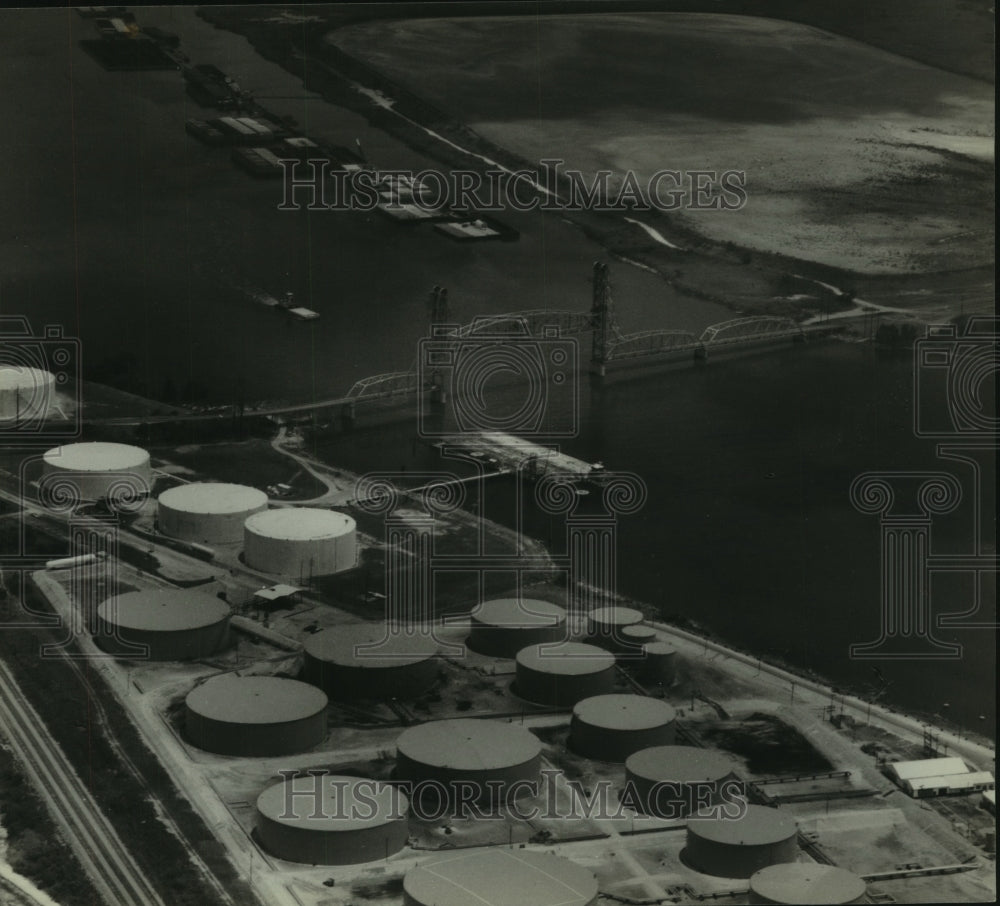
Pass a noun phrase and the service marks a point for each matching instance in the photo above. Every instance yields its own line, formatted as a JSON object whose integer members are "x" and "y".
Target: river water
{"x": 150, "y": 247}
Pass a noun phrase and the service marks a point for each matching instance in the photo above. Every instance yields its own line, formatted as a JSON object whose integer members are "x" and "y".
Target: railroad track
{"x": 101, "y": 851}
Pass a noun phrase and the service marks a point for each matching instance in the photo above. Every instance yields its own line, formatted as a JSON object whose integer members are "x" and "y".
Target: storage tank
{"x": 367, "y": 661}
{"x": 208, "y": 512}
{"x": 98, "y": 469}
{"x": 173, "y": 624}
{"x": 331, "y": 819}
{"x": 300, "y": 542}
{"x": 806, "y": 884}
{"x": 736, "y": 848}
{"x": 503, "y": 760}
{"x": 659, "y": 663}
{"x": 635, "y": 638}
{"x": 612, "y": 727}
{"x": 605, "y": 625}
{"x": 255, "y": 716}
{"x": 499, "y": 877}
{"x": 25, "y": 394}
{"x": 673, "y": 781}
{"x": 561, "y": 675}
{"x": 502, "y": 627}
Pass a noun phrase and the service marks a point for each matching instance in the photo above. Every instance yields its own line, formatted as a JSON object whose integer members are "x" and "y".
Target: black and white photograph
{"x": 498, "y": 453}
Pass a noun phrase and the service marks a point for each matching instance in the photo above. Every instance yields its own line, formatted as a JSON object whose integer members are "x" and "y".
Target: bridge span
{"x": 610, "y": 346}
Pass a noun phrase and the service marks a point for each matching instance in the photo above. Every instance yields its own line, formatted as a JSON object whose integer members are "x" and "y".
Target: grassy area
{"x": 252, "y": 462}
{"x": 35, "y": 847}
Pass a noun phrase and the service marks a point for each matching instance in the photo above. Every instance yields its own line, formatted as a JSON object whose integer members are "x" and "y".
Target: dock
{"x": 509, "y": 453}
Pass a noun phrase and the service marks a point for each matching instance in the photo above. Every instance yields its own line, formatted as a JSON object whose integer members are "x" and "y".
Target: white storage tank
{"x": 99, "y": 469}
{"x": 25, "y": 394}
{"x": 300, "y": 542}
{"x": 208, "y": 512}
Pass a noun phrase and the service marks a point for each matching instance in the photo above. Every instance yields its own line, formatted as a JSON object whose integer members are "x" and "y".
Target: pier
{"x": 508, "y": 453}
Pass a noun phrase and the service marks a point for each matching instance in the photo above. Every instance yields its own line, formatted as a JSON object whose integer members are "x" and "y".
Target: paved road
{"x": 101, "y": 851}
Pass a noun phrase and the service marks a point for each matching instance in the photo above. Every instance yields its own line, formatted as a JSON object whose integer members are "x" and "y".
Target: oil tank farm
{"x": 806, "y": 884}
{"x": 673, "y": 781}
{"x": 442, "y": 757}
{"x": 612, "y": 727}
{"x": 93, "y": 470}
{"x": 208, "y": 512}
{"x": 368, "y": 661}
{"x": 331, "y": 819}
{"x": 254, "y": 716}
{"x": 659, "y": 663}
{"x": 300, "y": 542}
{"x": 502, "y": 627}
{"x": 499, "y": 877}
{"x": 736, "y": 848}
{"x": 562, "y": 675}
{"x": 25, "y": 394}
{"x": 162, "y": 625}
{"x": 605, "y": 625}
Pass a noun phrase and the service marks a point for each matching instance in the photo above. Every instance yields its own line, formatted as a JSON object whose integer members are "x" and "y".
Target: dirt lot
{"x": 855, "y": 158}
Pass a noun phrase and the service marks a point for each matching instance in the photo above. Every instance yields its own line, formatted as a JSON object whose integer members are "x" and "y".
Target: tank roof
{"x": 300, "y": 524}
{"x": 618, "y": 616}
{"x": 759, "y": 825}
{"x": 639, "y": 632}
{"x": 500, "y": 877}
{"x": 166, "y": 610}
{"x": 96, "y": 456}
{"x": 379, "y": 648}
{"x": 213, "y": 497}
{"x": 566, "y": 659}
{"x": 332, "y": 802}
{"x": 18, "y": 376}
{"x": 235, "y": 699}
{"x": 468, "y": 745}
{"x": 518, "y": 612}
{"x": 624, "y": 712}
{"x": 807, "y": 884}
{"x": 679, "y": 763}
